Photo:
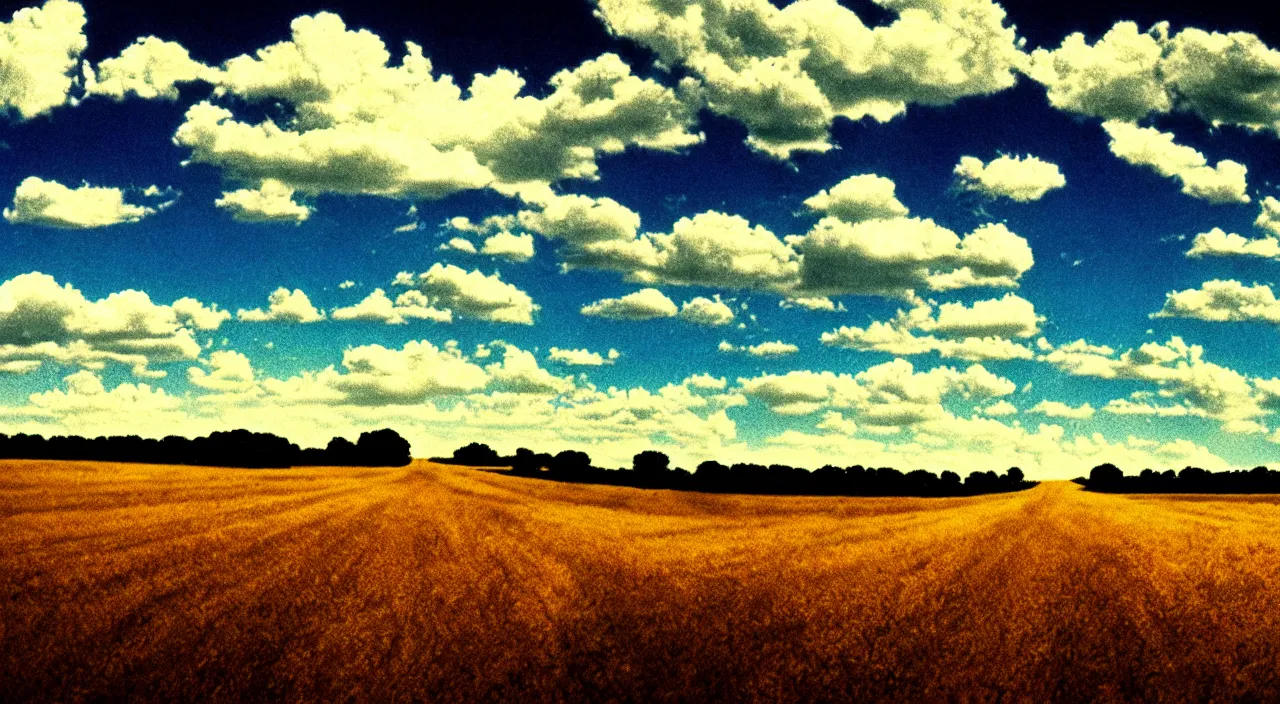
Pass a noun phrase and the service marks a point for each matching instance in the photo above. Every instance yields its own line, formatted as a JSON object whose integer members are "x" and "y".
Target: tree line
{"x": 652, "y": 470}
{"x": 1189, "y": 480}
{"x": 232, "y": 448}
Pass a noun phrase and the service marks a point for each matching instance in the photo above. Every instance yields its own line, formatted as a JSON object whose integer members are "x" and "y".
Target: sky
{"x": 939, "y": 234}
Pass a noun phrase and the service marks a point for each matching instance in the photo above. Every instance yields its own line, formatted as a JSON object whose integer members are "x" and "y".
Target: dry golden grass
{"x": 442, "y": 583}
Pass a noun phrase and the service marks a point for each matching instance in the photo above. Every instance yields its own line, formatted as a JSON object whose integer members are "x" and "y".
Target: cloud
{"x": 876, "y": 257}
{"x": 271, "y": 201}
{"x": 582, "y": 358}
{"x": 347, "y": 284}
{"x": 472, "y": 294}
{"x": 518, "y": 372}
{"x": 858, "y": 198}
{"x": 1147, "y": 146}
{"x": 377, "y": 307}
{"x": 1009, "y": 316}
{"x": 1117, "y": 78}
{"x": 1016, "y": 178}
{"x": 764, "y": 349}
{"x": 85, "y": 397}
{"x": 1180, "y": 372}
{"x": 149, "y": 68}
{"x": 1223, "y": 301}
{"x": 1224, "y": 78}
{"x": 285, "y": 306}
{"x": 707, "y": 311}
{"x": 706, "y": 382}
{"x": 327, "y": 160}
{"x": 458, "y": 244}
{"x": 883, "y": 257}
{"x": 715, "y": 249}
{"x": 977, "y": 333}
{"x": 1216, "y": 243}
{"x": 1057, "y": 409}
{"x": 516, "y": 248}
{"x": 582, "y": 220}
{"x": 645, "y": 304}
{"x": 229, "y": 372}
{"x": 491, "y": 224}
{"x": 815, "y": 303}
{"x": 1124, "y": 407}
{"x": 364, "y": 126}
{"x": 51, "y": 204}
{"x": 787, "y": 73}
{"x": 375, "y": 375}
{"x": 885, "y": 337}
{"x": 192, "y": 313}
{"x": 891, "y": 394}
{"x": 1269, "y": 217}
{"x": 41, "y": 320}
{"x": 1230, "y": 78}
{"x": 999, "y": 408}
{"x": 39, "y": 49}
{"x": 897, "y": 257}
{"x": 969, "y": 444}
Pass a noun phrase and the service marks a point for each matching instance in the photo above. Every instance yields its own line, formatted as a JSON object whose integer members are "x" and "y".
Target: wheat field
{"x": 438, "y": 583}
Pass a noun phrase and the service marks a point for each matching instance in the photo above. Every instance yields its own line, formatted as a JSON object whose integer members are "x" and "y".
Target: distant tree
{"x": 339, "y": 451}
{"x": 650, "y": 462}
{"x": 1105, "y": 475}
{"x": 1015, "y": 476}
{"x": 571, "y": 463}
{"x": 526, "y": 462}
{"x": 383, "y": 448}
{"x": 1191, "y": 476}
{"x": 476, "y": 455}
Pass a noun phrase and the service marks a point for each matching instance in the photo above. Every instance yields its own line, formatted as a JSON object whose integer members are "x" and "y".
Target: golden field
{"x": 438, "y": 583}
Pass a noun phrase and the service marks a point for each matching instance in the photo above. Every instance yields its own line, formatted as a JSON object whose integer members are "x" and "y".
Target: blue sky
{"x": 945, "y": 234}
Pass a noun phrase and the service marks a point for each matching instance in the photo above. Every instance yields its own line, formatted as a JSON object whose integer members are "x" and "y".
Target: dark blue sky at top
{"x": 1107, "y": 247}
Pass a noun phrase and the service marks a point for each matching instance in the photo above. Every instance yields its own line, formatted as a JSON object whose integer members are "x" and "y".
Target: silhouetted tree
{"x": 476, "y": 455}
{"x": 340, "y": 451}
{"x": 383, "y": 448}
{"x": 572, "y": 465}
{"x": 1105, "y": 475}
{"x": 650, "y": 462}
{"x": 231, "y": 448}
{"x": 526, "y": 462}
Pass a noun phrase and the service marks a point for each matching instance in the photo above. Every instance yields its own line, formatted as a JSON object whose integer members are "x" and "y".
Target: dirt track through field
{"x": 450, "y": 584}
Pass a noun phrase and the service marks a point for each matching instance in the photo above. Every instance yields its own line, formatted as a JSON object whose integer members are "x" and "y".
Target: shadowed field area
{"x": 431, "y": 582}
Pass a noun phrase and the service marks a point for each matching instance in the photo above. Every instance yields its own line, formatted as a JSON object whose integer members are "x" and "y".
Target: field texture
{"x": 449, "y": 584}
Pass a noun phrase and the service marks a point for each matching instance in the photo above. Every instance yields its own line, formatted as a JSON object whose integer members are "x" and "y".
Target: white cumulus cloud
{"x": 859, "y": 197}
{"x": 41, "y": 321}
{"x": 39, "y": 49}
{"x": 582, "y": 357}
{"x": 284, "y": 306}
{"x": 149, "y": 68}
{"x": 1057, "y": 409}
{"x": 1147, "y": 146}
{"x": 51, "y": 204}
{"x": 1223, "y": 301}
{"x": 271, "y": 201}
{"x": 377, "y": 307}
{"x": 645, "y": 304}
{"x": 471, "y": 294}
{"x": 786, "y": 73}
{"x": 1023, "y": 179}
{"x": 707, "y": 311}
